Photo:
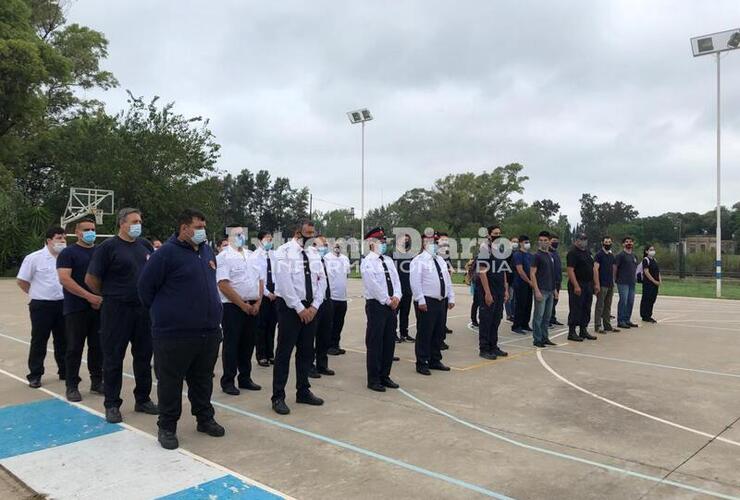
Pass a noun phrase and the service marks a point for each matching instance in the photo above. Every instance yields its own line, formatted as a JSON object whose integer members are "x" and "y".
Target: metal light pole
{"x": 361, "y": 116}
{"x": 717, "y": 43}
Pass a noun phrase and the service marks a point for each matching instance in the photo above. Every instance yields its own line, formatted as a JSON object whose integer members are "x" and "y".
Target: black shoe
{"x": 387, "y": 382}
{"x": 510, "y": 318}
{"x": 326, "y": 371}
{"x": 649, "y": 320}
{"x": 376, "y": 386}
{"x": 518, "y": 331}
{"x": 333, "y": 351}
{"x": 586, "y": 335}
{"x": 34, "y": 383}
{"x": 73, "y": 394}
{"x": 398, "y": 339}
{"x": 574, "y": 337}
{"x": 439, "y": 366}
{"x": 271, "y": 361}
{"x": 408, "y": 338}
{"x": 231, "y": 390}
{"x": 474, "y": 324}
{"x": 167, "y": 439}
{"x": 62, "y": 376}
{"x": 600, "y": 330}
{"x": 526, "y": 329}
{"x": 279, "y": 407}
{"x": 447, "y": 330}
{"x": 341, "y": 351}
{"x": 556, "y": 322}
{"x": 147, "y": 407}
{"x": 538, "y": 344}
{"x": 263, "y": 362}
{"x": 250, "y": 386}
{"x": 314, "y": 373}
{"x": 423, "y": 369}
{"x": 396, "y": 358}
{"x": 487, "y": 355}
{"x": 623, "y": 326}
{"x": 113, "y": 415}
{"x": 610, "y": 328}
{"x": 549, "y": 342}
{"x": 211, "y": 427}
{"x": 443, "y": 346}
{"x": 97, "y": 387}
{"x": 633, "y": 325}
{"x": 307, "y": 398}
{"x": 499, "y": 353}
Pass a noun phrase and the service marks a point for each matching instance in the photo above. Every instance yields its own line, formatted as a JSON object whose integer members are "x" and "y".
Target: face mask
{"x": 554, "y": 245}
{"x": 199, "y": 236}
{"x": 337, "y": 251}
{"x": 544, "y": 246}
{"x": 608, "y": 247}
{"x": 651, "y": 253}
{"x": 582, "y": 244}
{"x": 323, "y": 250}
{"x": 239, "y": 240}
{"x": 382, "y": 248}
{"x": 527, "y": 246}
{"x": 58, "y": 247}
{"x": 514, "y": 245}
{"x": 267, "y": 245}
{"x": 89, "y": 237}
{"x": 432, "y": 248}
{"x": 134, "y": 230}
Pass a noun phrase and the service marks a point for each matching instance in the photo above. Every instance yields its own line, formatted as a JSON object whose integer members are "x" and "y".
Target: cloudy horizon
{"x": 591, "y": 97}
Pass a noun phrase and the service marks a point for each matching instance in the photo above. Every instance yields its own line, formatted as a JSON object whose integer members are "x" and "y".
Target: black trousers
{"x": 337, "y": 325}
{"x": 380, "y": 340}
{"x": 265, "y": 347}
{"x": 324, "y": 319}
{"x": 240, "y": 331}
{"x": 489, "y": 321}
{"x": 83, "y": 326}
{"x": 430, "y": 331}
{"x": 474, "y": 306}
{"x": 190, "y": 359}
{"x": 122, "y": 323}
{"x": 523, "y": 311}
{"x": 649, "y": 296}
{"x": 404, "y": 308}
{"x": 579, "y": 306}
{"x": 292, "y": 333}
{"x": 46, "y": 319}
{"x": 555, "y": 301}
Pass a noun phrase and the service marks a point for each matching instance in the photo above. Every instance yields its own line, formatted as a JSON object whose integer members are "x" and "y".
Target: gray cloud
{"x": 598, "y": 97}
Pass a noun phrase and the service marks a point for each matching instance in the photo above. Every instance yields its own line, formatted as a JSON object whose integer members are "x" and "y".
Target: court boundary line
{"x": 566, "y": 456}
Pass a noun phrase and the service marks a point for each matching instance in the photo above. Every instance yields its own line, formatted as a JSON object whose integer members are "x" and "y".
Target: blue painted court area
{"x": 226, "y": 488}
{"x": 45, "y": 424}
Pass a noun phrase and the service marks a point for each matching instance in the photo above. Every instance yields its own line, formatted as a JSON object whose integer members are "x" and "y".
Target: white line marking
{"x": 624, "y": 407}
{"x": 693, "y": 324}
{"x": 611, "y": 468}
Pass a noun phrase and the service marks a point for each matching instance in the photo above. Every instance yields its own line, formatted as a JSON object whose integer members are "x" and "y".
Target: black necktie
{"x": 441, "y": 278}
{"x": 270, "y": 282}
{"x": 307, "y": 276}
{"x": 387, "y": 277}
{"x": 327, "y": 295}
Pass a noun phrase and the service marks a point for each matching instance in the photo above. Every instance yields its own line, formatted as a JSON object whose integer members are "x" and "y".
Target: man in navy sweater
{"x": 178, "y": 286}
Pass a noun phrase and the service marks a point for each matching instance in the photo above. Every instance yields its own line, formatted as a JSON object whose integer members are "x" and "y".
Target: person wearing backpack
{"x": 625, "y": 268}
{"x": 650, "y": 284}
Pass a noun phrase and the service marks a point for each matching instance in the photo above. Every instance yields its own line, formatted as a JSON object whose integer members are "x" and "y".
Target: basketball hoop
{"x": 98, "y": 215}
{"x": 88, "y": 201}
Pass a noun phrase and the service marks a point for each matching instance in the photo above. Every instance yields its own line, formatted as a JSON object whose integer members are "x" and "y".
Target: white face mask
{"x": 651, "y": 253}
{"x": 527, "y": 245}
{"x": 58, "y": 247}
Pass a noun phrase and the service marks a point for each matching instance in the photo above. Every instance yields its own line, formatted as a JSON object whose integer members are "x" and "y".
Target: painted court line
{"x": 630, "y": 409}
{"x": 565, "y": 456}
{"x": 648, "y": 363}
{"x": 298, "y": 430}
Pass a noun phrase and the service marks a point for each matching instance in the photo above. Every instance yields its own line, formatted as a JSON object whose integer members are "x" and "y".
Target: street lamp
{"x": 717, "y": 43}
{"x": 361, "y": 116}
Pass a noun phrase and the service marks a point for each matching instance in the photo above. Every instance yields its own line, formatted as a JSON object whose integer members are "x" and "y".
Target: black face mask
{"x": 608, "y": 247}
{"x": 554, "y": 245}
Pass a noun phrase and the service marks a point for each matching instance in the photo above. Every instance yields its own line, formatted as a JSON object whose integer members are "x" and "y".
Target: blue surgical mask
{"x": 323, "y": 250}
{"x": 199, "y": 236}
{"x": 383, "y": 248}
{"x": 267, "y": 245}
{"x": 239, "y": 240}
{"x": 134, "y": 230}
{"x": 89, "y": 237}
{"x": 432, "y": 248}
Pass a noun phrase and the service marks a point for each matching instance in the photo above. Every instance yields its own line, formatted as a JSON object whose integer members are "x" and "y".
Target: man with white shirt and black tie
{"x": 382, "y": 297}
{"x": 324, "y": 318}
{"x": 338, "y": 268}
{"x": 39, "y": 279}
{"x": 431, "y": 286}
{"x": 265, "y": 348}
{"x": 300, "y": 285}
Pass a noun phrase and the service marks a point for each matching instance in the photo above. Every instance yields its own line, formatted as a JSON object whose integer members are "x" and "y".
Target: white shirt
{"x": 337, "y": 267}
{"x": 262, "y": 255}
{"x": 424, "y": 278}
{"x": 39, "y": 268}
{"x": 241, "y": 270}
{"x": 290, "y": 282}
{"x": 373, "y": 278}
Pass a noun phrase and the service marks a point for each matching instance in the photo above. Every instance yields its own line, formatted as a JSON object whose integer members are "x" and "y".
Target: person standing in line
{"x": 558, "y": 273}
{"x": 267, "y": 318}
{"x": 493, "y": 294}
{"x": 324, "y": 318}
{"x": 114, "y": 272}
{"x": 650, "y": 284}
{"x": 38, "y": 278}
{"x": 580, "y": 289}
{"x": 81, "y": 311}
{"x": 178, "y": 287}
{"x": 382, "y": 298}
{"x": 241, "y": 286}
{"x": 604, "y": 280}
{"x": 625, "y": 268}
{"x": 510, "y": 305}
{"x": 300, "y": 286}
{"x": 402, "y": 259}
{"x": 542, "y": 275}
{"x": 431, "y": 285}
{"x": 443, "y": 248}
{"x": 338, "y": 267}
{"x": 156, "y": 244}
{"x": 470, "y": 280}
{"x": 522, "y": 287}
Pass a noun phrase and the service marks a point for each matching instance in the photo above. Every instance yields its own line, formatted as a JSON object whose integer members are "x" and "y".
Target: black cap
{"x": 377, "y": 233}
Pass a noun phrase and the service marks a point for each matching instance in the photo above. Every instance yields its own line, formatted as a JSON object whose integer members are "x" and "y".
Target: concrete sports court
{"x": 646, "y": 413}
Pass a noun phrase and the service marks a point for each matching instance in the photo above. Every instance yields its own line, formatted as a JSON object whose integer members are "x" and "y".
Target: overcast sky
{"x": 590, "y": 96}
